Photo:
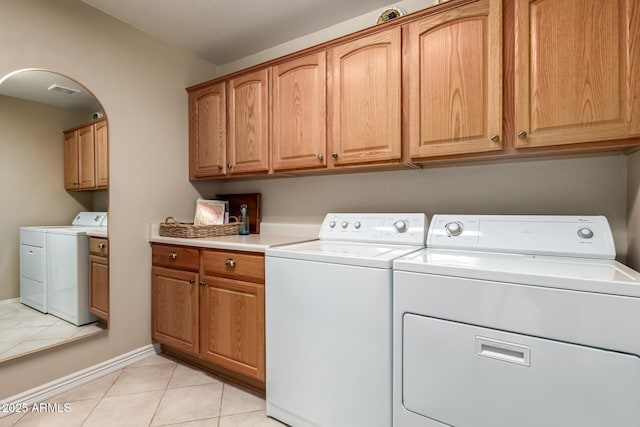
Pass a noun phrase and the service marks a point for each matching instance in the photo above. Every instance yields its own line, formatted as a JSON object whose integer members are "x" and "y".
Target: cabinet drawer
{"x": 175, "y": 257}
{"x": 235, "y": 265}
{"x": 98, "y": 246}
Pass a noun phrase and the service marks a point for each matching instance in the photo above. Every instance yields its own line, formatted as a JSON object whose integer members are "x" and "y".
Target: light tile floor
{"x": 157, "y": 391}
{"x": 23, "y": 329}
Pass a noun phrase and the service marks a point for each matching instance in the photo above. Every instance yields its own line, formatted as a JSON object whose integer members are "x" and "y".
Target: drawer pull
{"x": 102, "y": 246}
{"x": 173, "y": 255}
{"x": 192, "y": 281}
{"x": 203, "y": 283}
{"x": 504, "y": 351}
{"x": 230, "y": 262}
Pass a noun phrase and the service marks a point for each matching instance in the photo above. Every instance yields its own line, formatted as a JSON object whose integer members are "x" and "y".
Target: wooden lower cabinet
{"x": 212, "y": 311}
{"x": 175, "y": 308}
{"x": 99, "y": 278}
{"x": 232, "y": 325}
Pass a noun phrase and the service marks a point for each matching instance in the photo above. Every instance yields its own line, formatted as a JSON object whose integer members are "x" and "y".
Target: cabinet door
{"x": 86, "y": 157}
{"x": 207, "y": 132}
{"x": 454, "y": 81}
{"x": 99, "y": 286}
{"x": 175, "y": 308}
{"x": 232, "y": 325}
{"x": 71, "y": 179}
{"x": 248, "y": 146}
{"x": 364, "y": 99}
{"x": 299, "y": 119}
{"x": 577, "y": 71}
{"x": 102, "y": 154}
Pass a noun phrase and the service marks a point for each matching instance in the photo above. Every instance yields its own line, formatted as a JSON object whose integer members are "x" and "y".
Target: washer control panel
{"x": 400, "y": 228}
{"x": 578, "y": 236}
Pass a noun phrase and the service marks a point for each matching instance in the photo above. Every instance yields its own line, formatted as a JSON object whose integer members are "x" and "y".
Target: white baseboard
{"x": 55, "y": 387}
{"x": 9, "y": 301}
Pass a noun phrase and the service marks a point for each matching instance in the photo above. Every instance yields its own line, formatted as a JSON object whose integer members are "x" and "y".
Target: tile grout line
{"x": 224, "y": 384}
{"x": 102, "y": 397}
{"x": 175, "y": 366}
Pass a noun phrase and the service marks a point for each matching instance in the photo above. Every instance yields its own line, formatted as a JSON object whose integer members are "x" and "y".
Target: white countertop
{"x": 98, "y": 233}
{"x": 271, "y": 234}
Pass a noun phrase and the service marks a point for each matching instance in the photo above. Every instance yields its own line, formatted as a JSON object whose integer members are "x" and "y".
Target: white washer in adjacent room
{"x": 54, "y": 262}
{"x": 328, "y": 320}
{"x": 516, "y": 320}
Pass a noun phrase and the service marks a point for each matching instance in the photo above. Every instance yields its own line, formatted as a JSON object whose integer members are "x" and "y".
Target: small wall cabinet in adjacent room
{"x": 86, "y": 157}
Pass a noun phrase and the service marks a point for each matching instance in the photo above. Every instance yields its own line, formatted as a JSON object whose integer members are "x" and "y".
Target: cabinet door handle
{"x": 220, "y": 167}
{"x": 203, "y": 283}
{"x": 102, "y": 245}
{"x": 173, "y": 255}
{"x": 334, "y": 155}
{"x": 192, "y": 281}
{"x": 229, "y": 165}
{"x": 522, "y": 135}
{"x": 230, "y": 262}
{"x": 495, "y": 137}
{"x": 320, "y": 157}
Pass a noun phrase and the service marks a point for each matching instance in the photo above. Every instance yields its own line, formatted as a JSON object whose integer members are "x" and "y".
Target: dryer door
{"x": 469, "y": 376}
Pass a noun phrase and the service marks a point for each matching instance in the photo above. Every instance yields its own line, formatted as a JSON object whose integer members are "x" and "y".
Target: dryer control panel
{"x": 575, "y": 236}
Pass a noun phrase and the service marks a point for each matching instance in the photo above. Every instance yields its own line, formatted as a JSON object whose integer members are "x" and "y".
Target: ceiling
{"x": 222, "y": 31}
{"x": 34, "y": 85}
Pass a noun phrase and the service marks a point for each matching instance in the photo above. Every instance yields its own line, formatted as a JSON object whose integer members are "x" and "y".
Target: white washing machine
{"x": 521, "y": 321}
{"x": 54, "y": 263}
{"x": 328, "y": 320}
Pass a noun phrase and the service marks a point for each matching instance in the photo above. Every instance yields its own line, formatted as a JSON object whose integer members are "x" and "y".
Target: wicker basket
{"x": 173, "y": 228}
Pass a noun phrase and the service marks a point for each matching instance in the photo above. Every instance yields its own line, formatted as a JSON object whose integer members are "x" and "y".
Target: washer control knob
{"x": 357, "y": 225}
{"x": 344, "y": 224}
{"x": 453, "y": 228}
{"x": 401, "y": 226}
{"x": 585, "y": 233}
{"x": 332, "y": 224}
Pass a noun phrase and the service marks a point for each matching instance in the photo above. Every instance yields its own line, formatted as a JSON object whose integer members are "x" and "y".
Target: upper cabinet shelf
{"x": 464, "y": 80}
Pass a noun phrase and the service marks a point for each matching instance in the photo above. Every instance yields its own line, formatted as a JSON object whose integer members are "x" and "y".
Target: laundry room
{"x": 478, "y": 158}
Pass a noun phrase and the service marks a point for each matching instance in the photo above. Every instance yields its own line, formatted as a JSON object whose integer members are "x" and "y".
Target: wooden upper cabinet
{"x": 453, "y": 77}
{"x": 577, "y": 71}
{"x": 86, "y": 164}
{"x": 248, "y": 119}
{"x": 364, "y": 86}
{"x": 207, "y": 132}
{"x": 71, "y": 180}
{"x": 102, "y": 154}
{"x": 86, "y": 157}
{"x": 298, "y": 113}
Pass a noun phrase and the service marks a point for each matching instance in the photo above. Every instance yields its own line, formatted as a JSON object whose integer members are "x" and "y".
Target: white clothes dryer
{"x": 521, "y": 321}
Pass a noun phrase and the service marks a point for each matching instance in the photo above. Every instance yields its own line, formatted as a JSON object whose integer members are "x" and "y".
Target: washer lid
{"x": 590, "y": 275}
{"x": 358, "y": 254}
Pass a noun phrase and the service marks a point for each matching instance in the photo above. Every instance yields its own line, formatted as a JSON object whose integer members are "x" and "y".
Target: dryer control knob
{"x": 357, "y": 225}
{"x": 332, "y": 224}
{"x": 344, "y": 224}
{"x": 453, "y": 228}
{"x": 401, "y": 226}
{"x": 585, "y": 233}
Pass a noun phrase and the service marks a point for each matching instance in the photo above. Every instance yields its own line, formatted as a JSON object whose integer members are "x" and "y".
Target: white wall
{"x": 584, "y": 186}
{"x": 31, "y": 173}
{"x": 633, "y": 210}
{"x": 347, "y": 27}
{"x": 141, "y": 84}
